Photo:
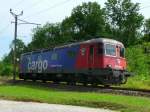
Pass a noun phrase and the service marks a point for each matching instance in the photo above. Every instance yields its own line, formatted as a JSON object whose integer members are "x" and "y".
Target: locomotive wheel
{"x": 94, "y": 84}
{"x": 34, "y": 80}
{"x": 56, "y": 82}
{"x": 106, "y": 86}
{"x": 24, "y": 79}
{"x": 84, "y": 84}
{"x": 44, "y": 81}
{"x": 71, "y": 83}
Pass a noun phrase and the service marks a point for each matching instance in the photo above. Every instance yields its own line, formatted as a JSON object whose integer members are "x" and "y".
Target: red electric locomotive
{"x": 96, "y": 61}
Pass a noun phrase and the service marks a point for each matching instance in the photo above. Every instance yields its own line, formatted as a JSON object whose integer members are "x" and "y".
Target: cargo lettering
{"x": 38, "y": 65}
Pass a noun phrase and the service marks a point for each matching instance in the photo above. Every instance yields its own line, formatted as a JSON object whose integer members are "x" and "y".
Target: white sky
{"x": 40, "y": 11}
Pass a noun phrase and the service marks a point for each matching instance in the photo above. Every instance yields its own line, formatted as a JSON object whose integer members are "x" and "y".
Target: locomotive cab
{"x": 103, "y": 61}
{"x": 111, "y": 62}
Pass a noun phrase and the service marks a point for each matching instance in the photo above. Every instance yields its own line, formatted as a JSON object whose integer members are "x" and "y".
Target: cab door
{"x": 91, "y": 57}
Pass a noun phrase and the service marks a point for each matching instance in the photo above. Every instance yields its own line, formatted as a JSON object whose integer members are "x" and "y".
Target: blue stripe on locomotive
{"x": 58, "y": 60}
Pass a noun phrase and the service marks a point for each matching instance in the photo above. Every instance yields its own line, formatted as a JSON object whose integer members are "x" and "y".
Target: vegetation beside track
{"x": 137, "y": 83}
{"x": 26, "y": 92}
{"x": 138, "y": 59}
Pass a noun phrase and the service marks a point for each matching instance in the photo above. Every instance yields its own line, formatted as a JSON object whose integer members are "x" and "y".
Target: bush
{"x": 138, "y": 61}
{"x": 6, "y": 70}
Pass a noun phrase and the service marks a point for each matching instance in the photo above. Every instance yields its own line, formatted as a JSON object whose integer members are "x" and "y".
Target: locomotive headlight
{"x": 17, "y": 59}
{"x": 109, "y": 66}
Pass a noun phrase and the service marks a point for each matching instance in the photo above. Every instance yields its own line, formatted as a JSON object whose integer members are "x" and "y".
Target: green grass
{"x": 137, "y": 83}
{"x": 44, "y": 94}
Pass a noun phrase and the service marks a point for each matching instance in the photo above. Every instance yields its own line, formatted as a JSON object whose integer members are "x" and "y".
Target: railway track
{"x": 89, "y": 88}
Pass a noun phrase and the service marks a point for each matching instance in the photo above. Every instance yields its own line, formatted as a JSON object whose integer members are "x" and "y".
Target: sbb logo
{"x": 38, "y": 65}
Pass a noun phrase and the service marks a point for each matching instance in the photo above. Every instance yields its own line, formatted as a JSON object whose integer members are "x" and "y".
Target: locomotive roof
{"x": 103, "y": 40}
{"x": 97, "y": 40}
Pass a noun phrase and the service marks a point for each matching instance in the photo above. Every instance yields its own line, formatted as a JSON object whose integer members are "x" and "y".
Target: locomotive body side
{"x": 53, "y": 61}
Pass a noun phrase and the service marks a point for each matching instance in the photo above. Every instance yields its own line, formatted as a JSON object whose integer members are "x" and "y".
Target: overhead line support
{"x": 15, "y": 38}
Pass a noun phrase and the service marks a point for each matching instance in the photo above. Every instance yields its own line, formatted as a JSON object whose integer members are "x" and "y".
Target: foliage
{"x": 137, "y": 82}
{"x": 146, "y": 47}
{"x": 138, "y": 61}
{"x": 7, "y": 64}
{"x": 147, "y": 30}
{"x": 20, "y": 48}
{"x": 46, "y": 36}
{"x": 120, "y": 20}
{"x": 147, "y": 26}
{"x": 6, "y": 69}
{"x": 124, "y": 19}
{"x": 86, "y": 21}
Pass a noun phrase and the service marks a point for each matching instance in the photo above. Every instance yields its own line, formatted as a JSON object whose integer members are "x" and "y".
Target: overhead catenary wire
{"x": 18, "y": 3}
{"x": 4, "y": 29}
{"x": 26, "y": 22}
{"x": 33, "y": 5}
{"x": 47, "y": 9}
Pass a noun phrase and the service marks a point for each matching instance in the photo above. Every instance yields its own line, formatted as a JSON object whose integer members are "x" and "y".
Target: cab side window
{"x": 122, "y": 52}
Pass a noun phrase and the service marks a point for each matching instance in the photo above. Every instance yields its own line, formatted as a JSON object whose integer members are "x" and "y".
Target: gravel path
{"x": 13, "y": 106}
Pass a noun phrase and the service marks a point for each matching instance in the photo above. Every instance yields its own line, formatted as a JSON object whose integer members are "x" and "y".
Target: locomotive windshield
{"x": 122, "y": 52}
{"x": 110, "y": 49}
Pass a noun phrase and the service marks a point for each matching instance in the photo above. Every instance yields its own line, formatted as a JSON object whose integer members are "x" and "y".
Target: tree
{"x": 20, "y": 47}
{"x": 7, "y": 63}
{"x": 124, "y": 19}
{"x": 6, "y": 69}
{"x": 138, "y": 61}
{"x": 147, "y": 26}
{"x": 147, "y": 30}
{"x": 86, "y": 21}
{"x": 50, "y": 35}
{"x": 67, "y": 28}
